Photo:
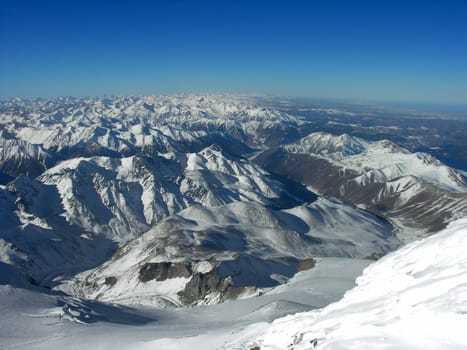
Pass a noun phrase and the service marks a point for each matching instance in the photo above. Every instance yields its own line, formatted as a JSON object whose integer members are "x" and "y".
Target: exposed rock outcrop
{"x": 164, "y": 270}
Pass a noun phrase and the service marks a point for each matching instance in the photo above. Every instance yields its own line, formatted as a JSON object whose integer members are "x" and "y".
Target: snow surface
{"x": 34, "y": 320}
{"x": 414, "y": 298}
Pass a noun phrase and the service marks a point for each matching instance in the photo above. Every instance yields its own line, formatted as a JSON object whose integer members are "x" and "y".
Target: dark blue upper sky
{"x": 365, "y": 50}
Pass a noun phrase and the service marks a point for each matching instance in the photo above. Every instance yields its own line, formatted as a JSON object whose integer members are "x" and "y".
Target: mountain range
{"x": 174, "y": 201}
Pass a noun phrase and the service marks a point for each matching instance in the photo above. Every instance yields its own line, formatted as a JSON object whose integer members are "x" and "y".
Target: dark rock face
{"x": 225, "y": 280}
{"x": 202, "y": 284}
{"x": 164, "y": 270}
{"x": 199, "y": 286}
{"x": 306, "y": 169}
{"x": 374, "y": 256}
{"x": 306, "y": 264}
{"x": 111, "y": 280}
{"x": 229, "y": 279}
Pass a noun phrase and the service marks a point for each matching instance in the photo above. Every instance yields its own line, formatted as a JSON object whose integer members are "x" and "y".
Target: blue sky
{"x": 363, "y": 50}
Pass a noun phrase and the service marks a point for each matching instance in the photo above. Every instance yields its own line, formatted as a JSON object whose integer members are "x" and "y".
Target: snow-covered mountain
{"x": 329, "y": 146}
{"x": 20, "y": 157}
{"x": 70, "y": 127}
{"x": 111, "y": 169}
{"x": 378, "y": 161}
{"x": 123, "y": 197}
{"x": 413, "y": 298}
{"x": 98, "y": 202}
{"x": 196, "y": 199}
{"x": 43, "y": 246}
{"x": 95, "y": 203}
{"x": 379, "y": 176}
{"x": 207, "y": 254}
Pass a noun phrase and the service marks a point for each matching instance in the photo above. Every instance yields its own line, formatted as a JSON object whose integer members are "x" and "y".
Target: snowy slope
{"x": 37, "y": 319}
{"x": 414, "y": 298}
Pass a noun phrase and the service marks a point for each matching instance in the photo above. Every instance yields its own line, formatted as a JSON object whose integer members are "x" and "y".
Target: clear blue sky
{"x": 377, "y": 50}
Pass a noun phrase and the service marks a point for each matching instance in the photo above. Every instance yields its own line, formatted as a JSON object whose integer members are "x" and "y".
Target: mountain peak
{"x": 334, "y": 146}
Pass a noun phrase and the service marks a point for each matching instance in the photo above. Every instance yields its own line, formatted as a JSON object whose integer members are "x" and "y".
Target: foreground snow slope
{"x": 415, "y": 297}
{"x": 34, "y": 320}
